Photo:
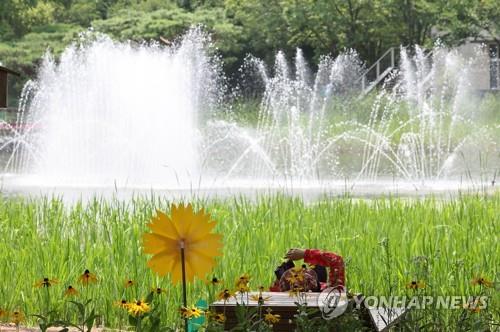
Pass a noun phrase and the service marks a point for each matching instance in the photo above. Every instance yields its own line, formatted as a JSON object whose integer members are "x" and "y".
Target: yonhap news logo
{"x": 332, "y": 302}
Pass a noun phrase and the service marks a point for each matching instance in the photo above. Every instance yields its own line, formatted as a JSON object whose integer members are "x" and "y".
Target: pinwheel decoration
{"x": 182, "y": 245}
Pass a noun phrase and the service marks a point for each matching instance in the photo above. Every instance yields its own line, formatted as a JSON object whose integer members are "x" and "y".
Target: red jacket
{"x": 334, "y": 262}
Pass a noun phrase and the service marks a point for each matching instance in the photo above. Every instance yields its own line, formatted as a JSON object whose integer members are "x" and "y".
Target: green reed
{"x": 384, "y": 242}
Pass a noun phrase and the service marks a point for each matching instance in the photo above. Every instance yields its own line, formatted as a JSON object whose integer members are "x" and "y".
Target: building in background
{"x": 4, "y": 87}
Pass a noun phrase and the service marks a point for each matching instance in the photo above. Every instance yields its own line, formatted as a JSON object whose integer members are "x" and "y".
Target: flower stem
{"x": 184, "y": 294}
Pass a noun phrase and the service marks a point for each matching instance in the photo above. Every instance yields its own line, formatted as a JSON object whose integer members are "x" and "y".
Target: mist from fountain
{"x": 119, "y": 114}
{"x": 150, "y": 116}
{"x": 424, "y": 126}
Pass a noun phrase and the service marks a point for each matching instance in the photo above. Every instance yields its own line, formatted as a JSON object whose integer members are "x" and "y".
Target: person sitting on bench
{"x": 313, "y": 279}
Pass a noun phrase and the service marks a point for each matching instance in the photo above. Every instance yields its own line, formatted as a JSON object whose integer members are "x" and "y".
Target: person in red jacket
{"x": 334, "y": 262}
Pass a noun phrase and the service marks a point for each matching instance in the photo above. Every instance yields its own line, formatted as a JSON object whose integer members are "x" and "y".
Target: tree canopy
{"x": 239, "y": 27}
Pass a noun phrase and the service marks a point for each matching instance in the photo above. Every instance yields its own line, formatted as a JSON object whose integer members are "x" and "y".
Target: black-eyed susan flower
{"x": 225, "y": 295}
{"x": 87, "y": 278}
{"x": 185, "y": 312}
{"x": 138, "y": 308}
{"x": 472, "y": 307}
{"x": 271, "y": 318}
{"x": 482, "y": 281}
{"x": 296, "y": 275}
{"x": 243, "y": 279}
{"x": 195, "y": 312}
{"x": 215, "y": 281}
{"x": 128, "y": 283}
{"x": 121, "y": 304}
{"x": 295, "y": 291}
{"x": 260, "y": 299}
{"x": 3, "y": 313}
{"x": 184, "y": 229}
{"x": 242, "y": 283}
{"x": 190, "y": 312}
{"x": 70, "y": 291}
{"x": 46, "y": 282}
{"x": 158, "y": 290}
{"x": 16, "y": 317}
{"x": 243, "y": 288}
{"x": 415, "y": 284}
{"x": 219, "y": 318}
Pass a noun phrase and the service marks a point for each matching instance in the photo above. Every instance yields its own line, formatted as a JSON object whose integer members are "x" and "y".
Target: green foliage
{"x": 258, "y": 27}
{"x": 457, "y": 238}
{"x": 24, "y": 53}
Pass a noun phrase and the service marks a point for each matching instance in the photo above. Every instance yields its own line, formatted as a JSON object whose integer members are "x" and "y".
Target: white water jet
{"x": 111, "y": 114}
{"x": 117, "y": 114}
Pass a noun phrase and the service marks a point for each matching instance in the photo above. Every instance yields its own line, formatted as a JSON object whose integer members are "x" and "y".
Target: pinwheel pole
{"x": 184, "y": 293}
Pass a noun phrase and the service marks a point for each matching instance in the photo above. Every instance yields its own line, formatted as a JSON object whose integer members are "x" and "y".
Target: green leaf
{"x": 149, "y": 298}
{"x": 81, "y": 308}
{"x": 132, "y": 320}
{"x": 89, "y": 322}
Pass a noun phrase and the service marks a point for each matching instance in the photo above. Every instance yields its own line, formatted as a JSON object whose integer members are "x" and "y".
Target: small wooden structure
{"x": 4, "y": 89}
{"x": 280, "y": 302}
{"x": 378, "y": 319}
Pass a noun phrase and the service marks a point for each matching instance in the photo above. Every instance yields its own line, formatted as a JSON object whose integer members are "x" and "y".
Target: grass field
{"x": 386, "y": 243}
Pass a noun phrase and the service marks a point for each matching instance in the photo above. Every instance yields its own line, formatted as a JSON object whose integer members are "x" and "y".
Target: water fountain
{"x": 116, "y": 114}
{"x": 111, "y": 114}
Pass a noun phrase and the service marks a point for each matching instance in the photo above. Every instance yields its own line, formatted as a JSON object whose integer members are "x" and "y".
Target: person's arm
{"x": 330, "y": 259}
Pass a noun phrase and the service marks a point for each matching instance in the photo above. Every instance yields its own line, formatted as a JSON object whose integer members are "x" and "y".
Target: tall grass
{"x": 457, "y": 240}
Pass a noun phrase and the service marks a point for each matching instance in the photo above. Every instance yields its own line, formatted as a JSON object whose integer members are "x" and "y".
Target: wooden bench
{"x": 282, "y": 304}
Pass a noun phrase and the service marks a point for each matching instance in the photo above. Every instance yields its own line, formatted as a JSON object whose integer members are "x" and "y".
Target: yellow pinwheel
{"x": 185, "y": 235}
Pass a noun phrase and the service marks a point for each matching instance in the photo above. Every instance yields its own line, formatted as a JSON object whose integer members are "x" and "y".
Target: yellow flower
{"x": 129, "y": 283}
{"x": 17, "y": 317}
{"x": 474, "y": 306}
{"x": 70, "y": 291}
{"x": 244, "y": 279}
{"x": 243, "y": 288}
{"x": 481, "y": 281}
{"x": 87, "y": 278}
{"x": 196, "y": 312}
{"x": 185, "y": 312}
{"x": 158, "y": 290}
{"x": 3, "y": 313}
{"x": 471, "y": 307}
{"x": 190, "y": 312}
{"x": 414, "y": 284}
{"x": 219, "y": 317}
{"x": 225, "y": 295}
{"x": 242, "y": 283}
{"x": 259, "y": 298}
{"x": 215, "y": 281}
{"x": 46, "y": 282}
{"x": 270, "y": 318}
{"x": 295, "y": 291}
{"x": 297, "y": 276}
{"x": 121, "y": 304}
{"x": 185, "y": 229}
{"x": 137, "y": 308}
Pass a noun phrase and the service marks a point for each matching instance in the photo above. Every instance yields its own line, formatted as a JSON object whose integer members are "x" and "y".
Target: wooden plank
{"x": 279, "y": 302}
{"x": 384, "y": 318}
{"x": 281, "y": 299}
{"x": 8, "y": 71}
{"x": 3, "y": 89}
